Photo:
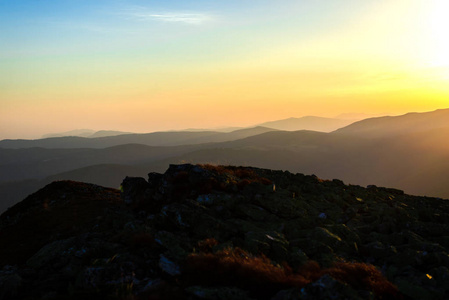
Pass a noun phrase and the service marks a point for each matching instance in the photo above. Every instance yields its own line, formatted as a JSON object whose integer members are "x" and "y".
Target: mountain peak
{"x": 76, "y": 132}
{"x": 307, "y": 123}
{"x": 244, "y": 232}
{"x": 396, "y": 125}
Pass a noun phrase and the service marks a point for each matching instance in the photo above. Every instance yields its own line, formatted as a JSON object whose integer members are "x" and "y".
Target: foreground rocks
{"x": 214, "y": 232}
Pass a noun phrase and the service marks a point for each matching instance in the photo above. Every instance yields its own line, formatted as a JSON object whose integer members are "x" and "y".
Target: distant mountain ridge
{"x": 413, "y": 156}
{"x": 105, "y": 133}
{"x": 390, "y": 126}
{"x": 357, "y": 116}
{"x": 87, "y": 133}
{"x": 163, "y": 138}
{"x": 76, "y": 132}
{"x": 308, "y": 123}
{"x": 291, "y": 124}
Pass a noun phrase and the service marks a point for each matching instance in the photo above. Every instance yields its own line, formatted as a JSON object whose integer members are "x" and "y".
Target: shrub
{"x": 364, "y": 276}
{"x": 180, "y": 177}
{"x": 234, "y": 266}
{"x": 242, "y": 183}
{"x": 239, "y": 176}
{"x": 205, "y": 246}
{"x": 311, "y": 270}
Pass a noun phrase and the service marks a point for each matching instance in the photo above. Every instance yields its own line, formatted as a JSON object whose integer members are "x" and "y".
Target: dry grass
{"x": 234, "y": 266}
{"x": 223, "y": 178}
{"x": 240, "y": 176}
{"x": 206, "y": 246}
{"x": 364, "y": 276}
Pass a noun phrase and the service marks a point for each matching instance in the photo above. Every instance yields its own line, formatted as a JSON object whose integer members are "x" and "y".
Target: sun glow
{"x": 438, "y": 23}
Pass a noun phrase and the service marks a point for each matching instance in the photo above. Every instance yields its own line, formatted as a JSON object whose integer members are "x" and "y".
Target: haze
{"x": 143, "y": 66}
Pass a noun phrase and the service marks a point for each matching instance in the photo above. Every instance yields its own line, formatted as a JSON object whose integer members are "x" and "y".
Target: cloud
{"x": 172, "y": 17}
{"x": 181, "y": 17}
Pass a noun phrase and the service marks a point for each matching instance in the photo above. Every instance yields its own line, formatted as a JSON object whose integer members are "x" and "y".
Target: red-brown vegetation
{"x": 242, "y": 183}
{"x": 234, "y": 266}
{"x": 240, "y": 176}
{"x": 364, "y": 276}
{"x": 265, "y": 181}
{"x": 181, "y": 177}
{"x": 205, "y": 246}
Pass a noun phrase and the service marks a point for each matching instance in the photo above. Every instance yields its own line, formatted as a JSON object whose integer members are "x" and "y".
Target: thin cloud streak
{"x": 142, "y": 14}
{"x": 181, "y": 17}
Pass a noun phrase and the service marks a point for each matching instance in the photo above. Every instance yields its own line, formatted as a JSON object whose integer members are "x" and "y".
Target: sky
{"x": 144, "y": 66}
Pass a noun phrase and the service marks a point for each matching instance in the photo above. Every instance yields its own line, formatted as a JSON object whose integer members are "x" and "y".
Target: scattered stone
{"x": 71, "y": 239}
{"x": 218, "y": 293}
{"x": 169, "y": 266}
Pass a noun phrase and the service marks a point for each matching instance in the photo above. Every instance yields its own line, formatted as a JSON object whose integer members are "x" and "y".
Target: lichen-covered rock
{"x": 270, "y": 243}
{"x": 218, "y": 293}
{"x": 172, "y": 244}
{"x": 169, "y": 266}
{"x": 10, "y": 283}
{"x": 328, "y": 287}
{"x": 54, "y": 252}
{"x": 134, "y": 190}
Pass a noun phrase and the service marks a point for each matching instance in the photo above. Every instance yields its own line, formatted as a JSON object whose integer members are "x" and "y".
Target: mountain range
{"x": 409, "y": 152}
{"x": 308, "y": 123}
{"x": 168, "y": 138}
{"x": 89, "y": 133}
{"x": 290, "y": 124}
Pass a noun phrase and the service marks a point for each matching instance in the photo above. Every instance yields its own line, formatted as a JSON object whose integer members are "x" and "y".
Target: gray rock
{"x": 169, "y": 266}
{"x": 134, "y": 190}
{"x": 10, "y": 283}
{"x": 52, "y": 252}
{"x": 328, "y": 287}
{"x": 218, "y": 293}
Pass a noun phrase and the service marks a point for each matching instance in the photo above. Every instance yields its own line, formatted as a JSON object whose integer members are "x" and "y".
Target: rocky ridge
{"x": 222, "y": 232}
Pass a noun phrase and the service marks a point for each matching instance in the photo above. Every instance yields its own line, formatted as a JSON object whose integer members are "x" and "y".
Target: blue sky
{"x": 43, "y": 27}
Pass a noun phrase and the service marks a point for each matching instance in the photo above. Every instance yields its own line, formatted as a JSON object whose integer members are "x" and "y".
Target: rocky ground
{"x": 215, "y": 232}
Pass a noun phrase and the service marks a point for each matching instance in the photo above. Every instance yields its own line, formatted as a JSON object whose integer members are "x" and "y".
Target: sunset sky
{"x": 144, "y": 66}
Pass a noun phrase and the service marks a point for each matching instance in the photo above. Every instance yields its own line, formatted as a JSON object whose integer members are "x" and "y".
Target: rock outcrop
{"x": 222, "y": 232}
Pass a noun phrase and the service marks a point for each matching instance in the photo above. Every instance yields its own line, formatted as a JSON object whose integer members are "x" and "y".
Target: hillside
{"x": 170, "y": 138}
{"x": 76, "y": 132}
{"x": 291, "y": 124}
{"x": 104, "y": 133}
{"x": 214, "y": 232}
{"x": 417, "y": 162}
{"x": 394, "y": 126}
{"x": 308, "y": 123}
{"x": 38, "y": 163}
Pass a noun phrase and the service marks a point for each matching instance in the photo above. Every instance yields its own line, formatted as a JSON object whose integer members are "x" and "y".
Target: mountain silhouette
{"x": 393, "y": 126}
{"x": 171, "y": 138}
{"x": 76, "y": 132}
{"x": 308, "y": 123}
